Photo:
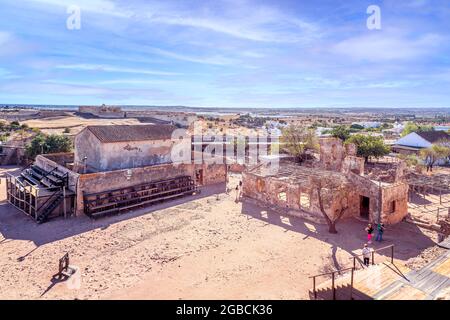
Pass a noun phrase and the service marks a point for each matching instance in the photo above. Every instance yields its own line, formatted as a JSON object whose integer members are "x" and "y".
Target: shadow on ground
{"x": 408, "y": 239}
{"x": 15, "y": 225}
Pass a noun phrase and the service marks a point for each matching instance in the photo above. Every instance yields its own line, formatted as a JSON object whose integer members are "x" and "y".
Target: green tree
{"x": 341, "y": 132}
{"x": 42, "y": 144}
{"x": 433, "y": 154}
{"x": 356, "y": 127}
{"x": 297, "y": 141}
{"x": 412, "y": 127}
{"x": 369, "y": 146}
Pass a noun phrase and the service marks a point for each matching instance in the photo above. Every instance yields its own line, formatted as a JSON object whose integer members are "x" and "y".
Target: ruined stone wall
{"x": 363, "y": 187}
{"x": 386, "y": 172}
{"x": 398, "y": 193}
{"x": 61, "y": 158}
{"x": 299, "y": 200}
{"x": 332, "y": 153}
{"x": 353, "y": 164}
{"x": 213, "y": 173}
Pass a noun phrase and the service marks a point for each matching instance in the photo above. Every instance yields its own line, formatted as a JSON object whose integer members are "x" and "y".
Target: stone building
{"x": 106, "y": 148}
{"x": 113, "y": 169}
{"x": 362, "y": 193}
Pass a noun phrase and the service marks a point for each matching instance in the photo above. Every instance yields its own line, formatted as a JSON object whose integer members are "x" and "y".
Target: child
{"x": 369, "y": 230}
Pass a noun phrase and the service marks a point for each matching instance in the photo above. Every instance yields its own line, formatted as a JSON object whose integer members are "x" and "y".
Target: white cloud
{"x": 107, "y": 68}
{"x": 4, "y": 37}
{"x": 384, "y": 47}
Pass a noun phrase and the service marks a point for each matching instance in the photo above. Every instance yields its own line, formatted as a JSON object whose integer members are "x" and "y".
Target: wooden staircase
{"x": 367, "y": 283}
{"x": 52, "y": 203}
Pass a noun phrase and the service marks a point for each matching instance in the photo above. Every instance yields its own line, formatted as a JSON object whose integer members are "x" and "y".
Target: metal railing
{"x": 333, "y": 287}
{"x": 353, "y": 269}
{"x": 372, "y": 252}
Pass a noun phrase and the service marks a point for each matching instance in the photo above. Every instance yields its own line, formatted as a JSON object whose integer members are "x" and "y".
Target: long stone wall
{"x": 117, "y": 179}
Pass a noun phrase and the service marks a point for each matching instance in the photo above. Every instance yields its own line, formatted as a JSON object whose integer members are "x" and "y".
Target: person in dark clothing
{"x": 380, "y": 230}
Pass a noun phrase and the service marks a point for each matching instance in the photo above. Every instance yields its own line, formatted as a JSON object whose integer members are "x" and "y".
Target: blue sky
{"x": 235, "y": 53}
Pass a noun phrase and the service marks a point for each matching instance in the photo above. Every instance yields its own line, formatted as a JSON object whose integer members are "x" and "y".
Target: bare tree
{"x": 331, "y": 190}
{"x": 298, "y": 141}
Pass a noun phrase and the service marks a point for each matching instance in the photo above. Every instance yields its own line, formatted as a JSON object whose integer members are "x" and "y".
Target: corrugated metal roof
{"x": 124, "y": 133}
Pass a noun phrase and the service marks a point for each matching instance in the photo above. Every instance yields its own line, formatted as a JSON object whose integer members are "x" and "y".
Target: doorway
{"x": 364, "y": 207}
{"x": 199, "y": 177}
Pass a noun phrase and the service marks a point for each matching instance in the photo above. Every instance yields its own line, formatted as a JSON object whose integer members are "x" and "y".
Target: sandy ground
{"x": 56, "y": 125}
{"x": 201, "y": 247}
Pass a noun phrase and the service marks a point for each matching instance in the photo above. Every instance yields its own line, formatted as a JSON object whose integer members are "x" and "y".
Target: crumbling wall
{"x": 386, "y": 172}
{"x": 332, "y": 153}
{"x": 394, "y": 203}
{"x": 353, "y": 164}
{"x": 62, "y": 158}
{"x": 299, "y": 200}
{"x": 213, "y": 173}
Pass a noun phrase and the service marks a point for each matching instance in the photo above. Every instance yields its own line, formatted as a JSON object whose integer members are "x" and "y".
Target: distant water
{"x": 442, "y": 128}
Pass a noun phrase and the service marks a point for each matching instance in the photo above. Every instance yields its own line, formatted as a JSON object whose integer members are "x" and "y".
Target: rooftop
{"x": 434, "y": 136}
{"x": 124, "y": 133}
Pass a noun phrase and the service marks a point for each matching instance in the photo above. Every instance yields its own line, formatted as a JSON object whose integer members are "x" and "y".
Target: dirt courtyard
{"x": 205, "y": 246}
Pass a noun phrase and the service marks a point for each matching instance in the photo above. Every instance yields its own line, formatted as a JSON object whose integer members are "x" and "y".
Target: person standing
{"x": 366, "y": 255}
{"x": 380, "y": 230}
{"x": 369, "y": 230}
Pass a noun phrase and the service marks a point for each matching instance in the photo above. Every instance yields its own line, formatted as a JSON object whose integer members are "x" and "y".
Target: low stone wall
{"x": 61, "y": 158}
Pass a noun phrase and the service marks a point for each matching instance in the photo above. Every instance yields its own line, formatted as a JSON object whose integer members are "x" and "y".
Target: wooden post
{"x": 314, "y": 288}
{"x": 332, "y": 284}
{"x": 373, "y": 257}
{"x": 30, "y": 200}
{"x": 351, "y": 285}
{"x": 437, "y": 215}
{"x": 392, "y": 254}
{"x": 354, "y": 262}
{"x": 36, "y": 203}
{"x": 64, "y": 202}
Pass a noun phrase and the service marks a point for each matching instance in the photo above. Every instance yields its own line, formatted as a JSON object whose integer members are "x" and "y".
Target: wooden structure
{"x": 347, "y": 287}
{"x": 39, "y": 193}
{"x": 434, "y": 193}
{"x": 114, "y": 201}
{"x": 388, "y": 281}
